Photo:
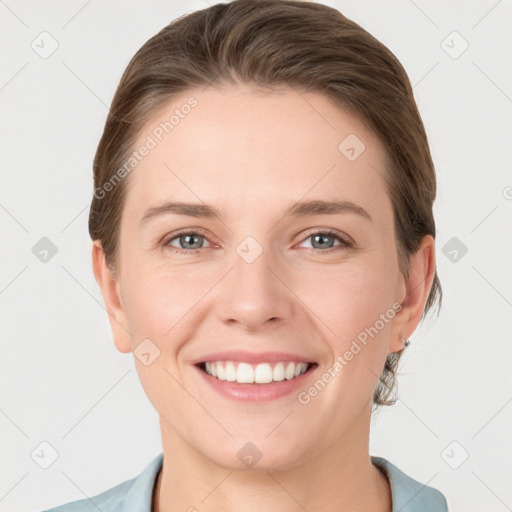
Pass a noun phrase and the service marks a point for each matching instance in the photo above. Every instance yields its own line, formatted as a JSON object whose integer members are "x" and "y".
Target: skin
{"x": 251, "y": 154}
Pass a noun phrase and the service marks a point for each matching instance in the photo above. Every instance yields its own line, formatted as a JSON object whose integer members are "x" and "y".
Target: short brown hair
{"x": 268, "y": 43}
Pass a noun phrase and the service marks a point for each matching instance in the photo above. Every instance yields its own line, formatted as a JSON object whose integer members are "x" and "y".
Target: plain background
{"x": 63, "y": 381}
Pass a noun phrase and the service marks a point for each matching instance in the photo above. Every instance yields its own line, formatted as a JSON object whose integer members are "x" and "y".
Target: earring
{"x": 405, "y": 342}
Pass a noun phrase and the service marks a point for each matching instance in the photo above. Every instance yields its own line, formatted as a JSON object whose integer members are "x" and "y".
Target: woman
{"x": 264, "y": 241}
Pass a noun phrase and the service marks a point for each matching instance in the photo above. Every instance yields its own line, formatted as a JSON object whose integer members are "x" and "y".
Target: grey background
{"x": 63, "y": 381}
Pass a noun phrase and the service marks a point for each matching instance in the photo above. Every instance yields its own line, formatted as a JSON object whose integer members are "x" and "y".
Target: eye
{"x": 323, "y": 240}
{"x": 189, "y": 240}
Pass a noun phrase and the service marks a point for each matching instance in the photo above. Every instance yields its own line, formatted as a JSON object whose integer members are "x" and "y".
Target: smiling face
{"x": 250, "y": 270}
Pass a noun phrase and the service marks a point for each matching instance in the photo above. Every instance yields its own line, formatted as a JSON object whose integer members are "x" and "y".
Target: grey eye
{"x": 322, "y": 239}
{"x": 187, "y": 241}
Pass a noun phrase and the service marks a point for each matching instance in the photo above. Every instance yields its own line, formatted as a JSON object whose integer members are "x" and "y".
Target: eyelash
{"x": 345, "y": 243}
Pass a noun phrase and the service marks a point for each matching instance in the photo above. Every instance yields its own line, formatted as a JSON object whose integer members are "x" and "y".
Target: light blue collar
{"x": 408, "y": 495}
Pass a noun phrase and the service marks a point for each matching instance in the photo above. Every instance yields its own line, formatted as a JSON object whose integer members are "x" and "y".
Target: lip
{"x": 256, "y": 392}
{"x": 252, "y": 357}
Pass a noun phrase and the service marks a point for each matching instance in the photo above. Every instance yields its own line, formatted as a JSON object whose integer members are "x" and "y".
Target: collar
{"x": 407, "y": 494}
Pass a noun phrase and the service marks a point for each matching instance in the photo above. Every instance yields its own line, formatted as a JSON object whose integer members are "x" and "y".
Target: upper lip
{"x": 251, "y": 357}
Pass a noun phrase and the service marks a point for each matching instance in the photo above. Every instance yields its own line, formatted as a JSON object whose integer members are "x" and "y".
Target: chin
{"x": 256, "y": 456}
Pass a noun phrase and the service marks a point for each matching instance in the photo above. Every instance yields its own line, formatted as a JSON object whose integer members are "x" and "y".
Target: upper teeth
{"x": 262, "y": 373}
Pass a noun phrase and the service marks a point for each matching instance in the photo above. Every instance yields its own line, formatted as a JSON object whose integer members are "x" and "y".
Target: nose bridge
{"x": 253, "y": 294}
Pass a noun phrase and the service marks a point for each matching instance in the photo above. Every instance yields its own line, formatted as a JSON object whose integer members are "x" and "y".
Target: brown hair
{"x": 269, "y": 43}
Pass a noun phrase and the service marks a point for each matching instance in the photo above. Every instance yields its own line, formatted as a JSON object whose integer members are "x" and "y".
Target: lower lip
{"x": 256, "y": 392}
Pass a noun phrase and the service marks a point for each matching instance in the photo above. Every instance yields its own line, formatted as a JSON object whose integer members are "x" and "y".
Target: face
{"x": 251, "y": 272}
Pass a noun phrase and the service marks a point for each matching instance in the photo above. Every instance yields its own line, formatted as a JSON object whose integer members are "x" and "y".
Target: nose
{"x": 254, "y": 295}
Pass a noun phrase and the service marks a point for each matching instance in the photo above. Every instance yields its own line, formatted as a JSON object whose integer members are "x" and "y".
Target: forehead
{"x": 251, "y": 146}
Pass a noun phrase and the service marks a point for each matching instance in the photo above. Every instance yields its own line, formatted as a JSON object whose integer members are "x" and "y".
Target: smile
{"x": 262, "y": 373}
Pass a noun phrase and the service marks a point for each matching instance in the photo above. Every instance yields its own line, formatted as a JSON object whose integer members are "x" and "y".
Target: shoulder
{"x": 131, "y": 495}
{"x": 409, "y": 495}
{"x": 107, "y": 501}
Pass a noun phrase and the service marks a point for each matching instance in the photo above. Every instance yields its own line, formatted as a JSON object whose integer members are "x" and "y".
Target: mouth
{"x": 262, "y": 373}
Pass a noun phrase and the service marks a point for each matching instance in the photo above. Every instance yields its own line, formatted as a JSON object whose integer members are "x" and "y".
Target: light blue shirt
{"x": 407, "y": 494}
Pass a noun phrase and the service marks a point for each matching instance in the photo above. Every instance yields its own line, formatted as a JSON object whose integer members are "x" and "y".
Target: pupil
{"x": 321, "y": 238}
{"x": 188, "y": 237}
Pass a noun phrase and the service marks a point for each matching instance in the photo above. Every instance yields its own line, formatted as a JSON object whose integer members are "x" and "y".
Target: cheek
{"x": 344, "y": 301}
{"x": 160, "y": 301}
{"x": 353, "y": 309}
{"x": 160, "y": 308}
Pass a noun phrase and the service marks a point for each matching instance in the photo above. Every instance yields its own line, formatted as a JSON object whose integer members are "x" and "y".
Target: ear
{"x": 111, "y": 296}
{"x": 417, "y": 288}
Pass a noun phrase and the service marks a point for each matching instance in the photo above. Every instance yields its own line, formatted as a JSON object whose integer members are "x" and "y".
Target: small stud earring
{"x": 405, "y": 342}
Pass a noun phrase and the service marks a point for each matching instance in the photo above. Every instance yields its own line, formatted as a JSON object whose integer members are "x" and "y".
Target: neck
{"x": 340, "y": 478}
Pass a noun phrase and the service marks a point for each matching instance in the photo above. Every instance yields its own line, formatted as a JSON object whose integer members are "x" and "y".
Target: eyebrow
{"x": 297, "y": 209}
